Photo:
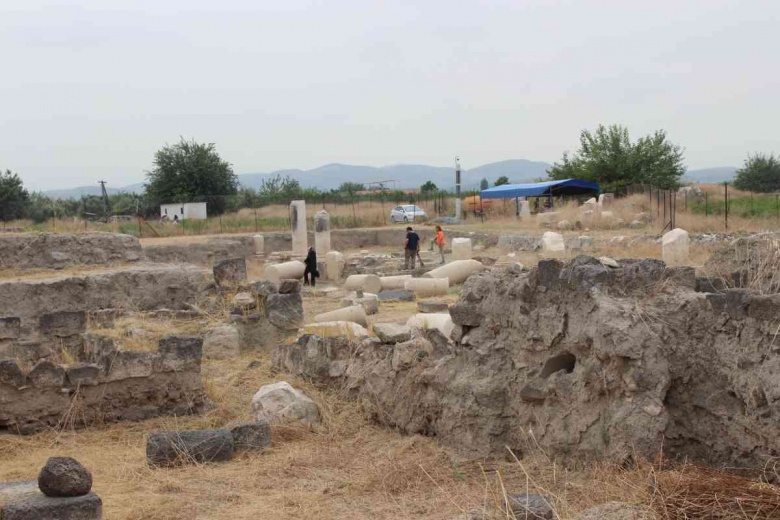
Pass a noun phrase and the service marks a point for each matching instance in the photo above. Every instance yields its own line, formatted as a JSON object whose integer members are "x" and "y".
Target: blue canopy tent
{"x": 541, "y": 189}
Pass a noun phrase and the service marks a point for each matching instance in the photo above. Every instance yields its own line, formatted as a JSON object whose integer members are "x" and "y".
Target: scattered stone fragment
{"x": 243, "y": 302}
{"x": 289, "y": 286}
{"x": 609, "y": 262}
{"x": 565, "y": 225}
{"x": 171, "y": 448}
{"x": 254, "y": 436}
{"x": 221, "y": 342}
{"x": 64, "y": 477}
{"x": 392, "y": 332}
{"x": 428, "y": 306}
{"x": 284, "y": 311}
{"x": 552, "y": 242}
{"x": 230, "y": 272}
{"x": 675, "y": 247}
{"x": 530, "y": 506}
{"x": 280, "y": 401}
{"x": 404, "y": 296}
{"x": 332, "y": 329}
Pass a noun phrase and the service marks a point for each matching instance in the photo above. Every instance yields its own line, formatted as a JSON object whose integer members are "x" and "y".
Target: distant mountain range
{"x": 331, "y": 176}
{"x": 709, "y": 175}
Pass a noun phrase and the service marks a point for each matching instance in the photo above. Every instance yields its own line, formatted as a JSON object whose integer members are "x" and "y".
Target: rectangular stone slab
{"x": 24, "y": 501}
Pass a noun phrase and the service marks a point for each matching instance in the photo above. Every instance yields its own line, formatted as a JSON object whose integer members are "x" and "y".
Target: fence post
{"x": 726, "y": 191}
{"x": 706, "y": 204}
{"x": 257, "y": 227}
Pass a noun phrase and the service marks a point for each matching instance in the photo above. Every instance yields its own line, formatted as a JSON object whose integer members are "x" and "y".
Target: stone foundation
{"x": 59, "y": 250}
{"x": 104, "y": 385}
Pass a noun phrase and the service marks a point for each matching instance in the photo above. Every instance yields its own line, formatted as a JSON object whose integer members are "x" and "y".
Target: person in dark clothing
{"x": 311, "y": 268}
{"x": 411, "y": 248}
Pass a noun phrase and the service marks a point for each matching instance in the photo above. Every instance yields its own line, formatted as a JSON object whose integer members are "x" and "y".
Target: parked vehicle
{"x": 407, "y": 213}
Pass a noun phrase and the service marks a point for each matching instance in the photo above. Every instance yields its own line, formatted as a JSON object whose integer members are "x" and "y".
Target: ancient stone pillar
{"x": 322, "y": 232}
{"x": 335, "y": 265}
{"x": 300, "y": 244}
{"x": 456, "y": 272}
{"x": 461, "y": 249}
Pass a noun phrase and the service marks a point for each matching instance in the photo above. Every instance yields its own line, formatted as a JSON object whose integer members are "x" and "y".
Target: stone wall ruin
{"x": 59, "y": 250}
{"x": 581, "y": 360}
{"x": 105, "y": 384}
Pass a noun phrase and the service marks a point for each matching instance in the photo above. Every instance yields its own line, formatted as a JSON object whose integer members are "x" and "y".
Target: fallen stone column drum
{"x": 394, "y": 282}
{"x": 456, "y": 271}
{"x": 277, "y": 272}
{"x": 428, "y": 286}
{"x": 355, "y": 314}
{"x": 443, "y": 322}
{"x": 369, "y": 283}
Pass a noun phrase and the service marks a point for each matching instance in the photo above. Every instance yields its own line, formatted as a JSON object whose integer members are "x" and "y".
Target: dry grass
{"x": 350, "y": 470}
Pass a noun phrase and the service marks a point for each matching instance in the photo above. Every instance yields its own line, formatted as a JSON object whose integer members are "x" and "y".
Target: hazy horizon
{"x": 90, "y": 91}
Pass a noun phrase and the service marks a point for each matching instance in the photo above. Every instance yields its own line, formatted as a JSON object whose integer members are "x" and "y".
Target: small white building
{"x": 184, "y": 210}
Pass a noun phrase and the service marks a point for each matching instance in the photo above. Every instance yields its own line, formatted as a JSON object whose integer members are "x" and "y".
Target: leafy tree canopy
{"x": 608, "y": 157}
{"x": 484, "y": 184}
{"x": 351, "y": 188}
{"x": 189, "y": 171}
{"x": 14, "y": 198}
{"x": 429, "y": 186}
{"x": 501, "y": 181}
{"x": 761, "y": 173}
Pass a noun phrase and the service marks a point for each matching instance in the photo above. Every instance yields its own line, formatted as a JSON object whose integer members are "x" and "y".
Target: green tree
{"x": 14, "y": 198}
{"x": 761, "y": 173}
{"x": 501, "y": 181}
{"x": 608, "y": 157}
{"x": 428, "y": 187}
{"x": 189, "y": 171}
{"x": 484, "y": 184}
{"x": 351, "y": 188}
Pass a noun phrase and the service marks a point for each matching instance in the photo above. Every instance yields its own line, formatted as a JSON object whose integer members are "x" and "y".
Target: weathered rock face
{"x": 58, "y": 250}
{"x": 594, "y": 361}
{"x": 280, "y": 402}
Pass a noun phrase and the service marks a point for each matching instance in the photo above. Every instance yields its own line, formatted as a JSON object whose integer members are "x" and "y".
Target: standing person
{"x": 439, "y": 241}
{"x": 311, "y": 268}
{"x": 411, "y": 247}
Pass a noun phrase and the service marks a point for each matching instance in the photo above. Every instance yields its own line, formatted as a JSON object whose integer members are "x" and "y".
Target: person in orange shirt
{"x": 439, "y": 241}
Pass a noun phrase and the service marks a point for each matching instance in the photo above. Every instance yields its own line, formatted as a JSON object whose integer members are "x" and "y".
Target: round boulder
{"x": 64, "y": 477}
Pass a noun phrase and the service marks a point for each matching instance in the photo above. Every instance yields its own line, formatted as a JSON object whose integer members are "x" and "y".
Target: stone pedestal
{"x": 525, "y": 209}
{"x": 335, "y": 265}
{"x": 461, "y": 249}
{"x": 259, "y": 242}
{"x": 300, "y": 244}
{"x": 322, "y": 232}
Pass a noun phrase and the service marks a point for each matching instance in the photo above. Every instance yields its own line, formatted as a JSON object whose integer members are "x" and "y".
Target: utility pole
{"x": 105, "y": 199}
{"x": 457, "y": 188}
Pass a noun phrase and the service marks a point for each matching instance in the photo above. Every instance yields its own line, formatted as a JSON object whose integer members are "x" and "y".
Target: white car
{"x": 407, "y": 213}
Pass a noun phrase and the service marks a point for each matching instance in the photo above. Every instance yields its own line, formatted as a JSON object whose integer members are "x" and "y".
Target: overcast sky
{"x": 90, "y": 89}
